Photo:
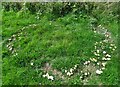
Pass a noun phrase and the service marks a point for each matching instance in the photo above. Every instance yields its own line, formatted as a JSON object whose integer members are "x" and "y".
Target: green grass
{"x": 63, "y": 43}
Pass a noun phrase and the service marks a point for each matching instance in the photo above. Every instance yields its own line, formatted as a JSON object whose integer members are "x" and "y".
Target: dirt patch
{"x": 91, "y": 68}
{"x": 103, "y": 31}
{"x": 48, "y": 68}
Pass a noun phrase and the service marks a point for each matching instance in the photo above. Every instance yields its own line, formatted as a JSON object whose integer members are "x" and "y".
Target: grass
{"x": 62, "y": 43}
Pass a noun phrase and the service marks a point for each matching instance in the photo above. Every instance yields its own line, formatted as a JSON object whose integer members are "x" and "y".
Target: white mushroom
{"x": 71, "y": 70}
{"x": 31, "y": 64}
{"x": 98, "y": 51}
{"x": 107, "y": 55}
{"x": 65, "y": 71}
{"x": 103, "y": 68}
{"x": 99, "y": 72}
{"x": 108, "y": 59}
{"x": 85, "y": 74}
{"x": 50, "y": 78}
{"x": 104, "y": 52}
{"x": 103, "y": 64}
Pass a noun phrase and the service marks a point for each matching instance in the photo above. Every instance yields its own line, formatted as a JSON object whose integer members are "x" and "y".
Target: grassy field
{"x": 66, "y": 48}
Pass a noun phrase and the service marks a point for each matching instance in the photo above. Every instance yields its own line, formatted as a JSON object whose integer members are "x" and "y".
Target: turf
{"x": 62, "y": 43}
